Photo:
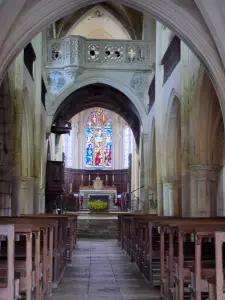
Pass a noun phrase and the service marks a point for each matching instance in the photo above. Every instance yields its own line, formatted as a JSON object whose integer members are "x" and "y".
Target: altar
{"x": 98, "y": 192}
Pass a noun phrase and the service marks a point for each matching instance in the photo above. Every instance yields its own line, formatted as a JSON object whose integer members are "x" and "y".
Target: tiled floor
{"x": 101, "y": 271}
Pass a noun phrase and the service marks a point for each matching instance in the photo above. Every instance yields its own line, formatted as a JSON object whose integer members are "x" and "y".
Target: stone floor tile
{"x": 100, "y": 270}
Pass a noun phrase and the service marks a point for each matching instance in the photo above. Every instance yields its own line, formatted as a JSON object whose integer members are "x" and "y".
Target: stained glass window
{"x": 127, "y": 144}
{"x": 98, "y": 151}
{"x": 68, "y": 149}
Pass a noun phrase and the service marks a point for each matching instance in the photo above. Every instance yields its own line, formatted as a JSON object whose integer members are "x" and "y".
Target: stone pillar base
{"x": 203, "y": 190}
{"x": 23, "y": 195}
{"x": 171, "y": 198}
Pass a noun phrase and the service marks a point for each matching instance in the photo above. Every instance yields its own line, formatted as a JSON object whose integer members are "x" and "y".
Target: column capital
{"x": 204, "y": 171}
{"x": 205, "y": 167}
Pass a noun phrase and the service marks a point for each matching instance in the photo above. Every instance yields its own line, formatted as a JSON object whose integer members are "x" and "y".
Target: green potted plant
{"x": 97, "y": 205}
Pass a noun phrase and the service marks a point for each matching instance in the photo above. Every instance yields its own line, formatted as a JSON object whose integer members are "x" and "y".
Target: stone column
{"x": 146, "y": 152}
{"x": 38, "y": 134}
{"x": 203, "y": 190}
{"x": 6, "y": 159}
{"x": 185, "y": 138}
{"x": 135, "y": 177}
{"x": 6, "y": 154}
{"x": 81, "y": 145}
{"x": 16, "y": 72}
{"x": 76, "y": 145}
{"x": 153, "y": 199}
{"x": 58, "y": 147}
{"x": 26, "y": 195}
{"x": 171, "y": 198}
{"x": 159, "y": 73}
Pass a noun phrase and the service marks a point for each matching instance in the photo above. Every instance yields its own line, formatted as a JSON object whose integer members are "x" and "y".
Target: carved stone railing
{"x": 76, "y": 51}
{"x": 71, "y": 58}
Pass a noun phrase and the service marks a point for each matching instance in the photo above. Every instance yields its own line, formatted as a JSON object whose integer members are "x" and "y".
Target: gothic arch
{"x": 172, "y": 139}
{"x": 206, "y": 113}
{"x": 184, "y": 19}
{"x": 118, "y": 85}
{"x": 172, "y": 155}
{"x": 207, "y": 150}
{"x": 105, "y": 11}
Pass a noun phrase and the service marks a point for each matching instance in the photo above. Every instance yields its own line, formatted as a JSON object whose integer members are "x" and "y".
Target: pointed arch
{"x": 91, "y": 21}
{"x": 172, "y": 139}
{"x": 208, "y": 121}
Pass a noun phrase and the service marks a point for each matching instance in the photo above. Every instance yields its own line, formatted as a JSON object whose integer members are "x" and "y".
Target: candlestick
{"x": 71, "y": 186}
{"x": 82, "y": 178}
{"x": 89, "y": 178}
{"x": 106, "y": 177}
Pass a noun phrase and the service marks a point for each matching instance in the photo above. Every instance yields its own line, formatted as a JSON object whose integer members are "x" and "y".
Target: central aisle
{"x": 101, "y": 271}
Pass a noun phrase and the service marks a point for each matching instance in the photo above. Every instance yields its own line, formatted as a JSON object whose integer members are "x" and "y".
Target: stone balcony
{"x": 76, "y": 51}
{"x": 73, "y": 62}
{"x": 68, "y": 57}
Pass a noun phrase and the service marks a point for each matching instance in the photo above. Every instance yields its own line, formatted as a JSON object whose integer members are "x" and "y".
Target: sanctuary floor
{"x": 101, "y": 271}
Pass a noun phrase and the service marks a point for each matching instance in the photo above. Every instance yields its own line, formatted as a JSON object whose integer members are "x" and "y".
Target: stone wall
{"x": 97, "y": 228}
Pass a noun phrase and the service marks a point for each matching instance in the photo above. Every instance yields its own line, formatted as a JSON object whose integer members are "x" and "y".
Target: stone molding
{"x": 204, "y": 172}
{"x": 205, "y": 167}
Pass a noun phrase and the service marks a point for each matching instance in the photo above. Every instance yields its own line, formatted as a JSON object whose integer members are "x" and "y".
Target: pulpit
{"x": 98, "y": 191}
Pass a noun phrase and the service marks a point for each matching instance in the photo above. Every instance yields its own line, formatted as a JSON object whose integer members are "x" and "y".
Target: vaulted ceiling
{"x": 100, "y": 95}
{"x": 130, "y": 18}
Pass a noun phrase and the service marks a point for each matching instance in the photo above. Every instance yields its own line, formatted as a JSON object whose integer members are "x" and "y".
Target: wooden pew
{"x": 46, "y": 226}
{"x": 209, "y": 278}
{"x": 9, "y": 289}
{"x": 57, "y": 239}
{"x": 64, "y": 244}
{"x": 175, "y": 257}
{"x": 40, "y": 266}
{"x": 133, "y": 238}
{"x": 71, "y": 233}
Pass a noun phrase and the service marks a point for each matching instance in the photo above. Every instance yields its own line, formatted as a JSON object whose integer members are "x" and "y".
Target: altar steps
{"x": 94, "y": 226}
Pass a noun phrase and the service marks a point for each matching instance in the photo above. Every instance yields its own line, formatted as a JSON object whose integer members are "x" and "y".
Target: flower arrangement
{"x": 97, "y": 205}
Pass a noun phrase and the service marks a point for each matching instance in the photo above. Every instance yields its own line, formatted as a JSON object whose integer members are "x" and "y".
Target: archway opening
{"x": 207, "y": 152}
{"x": 100, "y": 95}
